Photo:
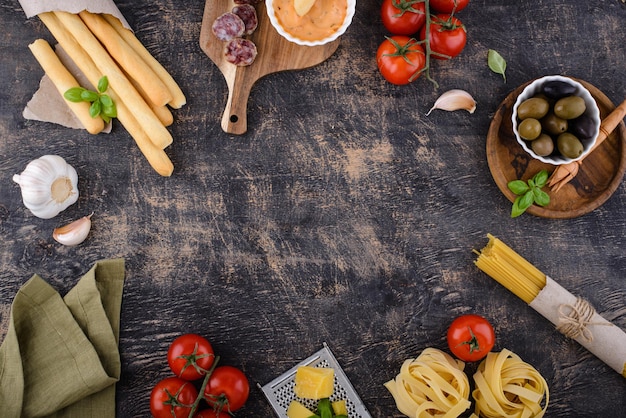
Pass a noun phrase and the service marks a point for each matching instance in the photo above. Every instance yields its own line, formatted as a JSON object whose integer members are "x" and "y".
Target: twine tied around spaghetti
{"x": 575, "y": 323}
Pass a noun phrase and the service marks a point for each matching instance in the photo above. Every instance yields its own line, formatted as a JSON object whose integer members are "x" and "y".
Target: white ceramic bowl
{"x": 292, "y": 38}
{"x": 591, "y": 111}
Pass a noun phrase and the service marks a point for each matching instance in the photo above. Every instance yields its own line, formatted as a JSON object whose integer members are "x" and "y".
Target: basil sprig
{"x": 529, "y": 192}
{"x": 101, "y": 103}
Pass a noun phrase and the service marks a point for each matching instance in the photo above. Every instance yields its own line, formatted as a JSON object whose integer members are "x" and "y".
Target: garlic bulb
{"x": 48, "y": 185}
{"x": 73, "y": 233}
{"x": 454, "y": 99}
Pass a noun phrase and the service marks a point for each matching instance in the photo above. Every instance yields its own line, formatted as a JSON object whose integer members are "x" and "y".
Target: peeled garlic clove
{"x": 73, "y": 233}
{"x": 454, "y": 99}
{"x": 48, "y": 185}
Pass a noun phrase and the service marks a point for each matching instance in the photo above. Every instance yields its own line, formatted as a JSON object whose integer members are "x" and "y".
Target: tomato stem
{"x": 472, "y": 342}
{"x": 406, "y": 6}
{"x": 205, "y": 381}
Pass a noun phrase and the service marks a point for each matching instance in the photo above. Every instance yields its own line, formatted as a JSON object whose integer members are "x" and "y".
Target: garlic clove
{"x": 73, "y": 233}
{"x": 48, "y": 185}
{"x": 454, "y": 99}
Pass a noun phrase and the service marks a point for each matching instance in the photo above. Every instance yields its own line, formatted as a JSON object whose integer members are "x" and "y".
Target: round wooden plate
{"x": 598, "y": 177}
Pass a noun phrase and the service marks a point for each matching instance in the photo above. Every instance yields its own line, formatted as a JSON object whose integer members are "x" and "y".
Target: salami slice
{"x": 247, "y": 13}
{"x": 241, "y": 52}
{"x": 228, "y": 26}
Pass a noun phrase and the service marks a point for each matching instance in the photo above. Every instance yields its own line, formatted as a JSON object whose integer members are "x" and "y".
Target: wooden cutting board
{"x": 275, "y": 54}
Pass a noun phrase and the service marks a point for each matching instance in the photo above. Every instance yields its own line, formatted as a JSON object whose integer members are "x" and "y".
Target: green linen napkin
{"x": 60, "y": 356}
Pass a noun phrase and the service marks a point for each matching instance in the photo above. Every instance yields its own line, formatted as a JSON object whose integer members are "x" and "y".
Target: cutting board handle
{"x": 235, "y": 117}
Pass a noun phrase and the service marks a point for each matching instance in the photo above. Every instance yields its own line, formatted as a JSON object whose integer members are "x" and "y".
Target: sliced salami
{"x": 240, "y": 51}
{"x": 247, "y": 13}
{"x": 228, "y": 26}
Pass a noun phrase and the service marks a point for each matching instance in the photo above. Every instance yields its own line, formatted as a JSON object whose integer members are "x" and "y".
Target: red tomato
{"x": 447, "y": 6}
{"x": 447, "y": 36}
{"x": 190, "y": 356}
{"x": 227, "y": 389}
{"x": 470, "y": 337}
{"x": 172, "y": 398}
{"x": 403, "y": 17}
{"x": 210, "y": 413}
{"x": 400, "y": 59}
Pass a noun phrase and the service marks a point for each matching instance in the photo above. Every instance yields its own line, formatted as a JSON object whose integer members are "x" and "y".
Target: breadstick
{"x": 126, "y": 57}
{"x": 155, "y": 155}
{"x": 161, "y": 112}
{"x": 63, "y": 80}
{"x": 117, "y": 81}
{"x": 179, "y": 98}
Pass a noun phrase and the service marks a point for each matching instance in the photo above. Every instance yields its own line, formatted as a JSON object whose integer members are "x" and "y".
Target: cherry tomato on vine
{"x": 470, "y": 337}
{"x": 400, "y": 59}
{"x": 190, "y": 356}
{"x": 447, "y": 6}
{"x": 210, "y": 413}
{"x": 172, "y": 397}
{"x": 403, "y": 17}
{"x": 448, "y": 36}
{"x": 228, "y": 389}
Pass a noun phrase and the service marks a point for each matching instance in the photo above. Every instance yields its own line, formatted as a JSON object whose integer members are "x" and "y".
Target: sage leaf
{"x": 74, "y": 94}
{"x": 496, "y": 63}
{"x": 518, "y": 187}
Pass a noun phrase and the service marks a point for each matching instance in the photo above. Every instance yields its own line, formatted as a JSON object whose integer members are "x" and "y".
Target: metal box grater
{"x": 279, "y": 392}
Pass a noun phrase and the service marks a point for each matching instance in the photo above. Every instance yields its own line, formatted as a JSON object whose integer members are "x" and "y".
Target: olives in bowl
{"x": 556, "y": 120}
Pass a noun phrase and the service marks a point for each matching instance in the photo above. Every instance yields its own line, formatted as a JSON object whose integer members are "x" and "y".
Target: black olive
{"x": 582, "y": 127}
{"x": 556, "y": 89}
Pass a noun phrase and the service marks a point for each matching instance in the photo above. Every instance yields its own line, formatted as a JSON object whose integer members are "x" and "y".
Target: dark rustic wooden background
{"x": 344, "y": 214}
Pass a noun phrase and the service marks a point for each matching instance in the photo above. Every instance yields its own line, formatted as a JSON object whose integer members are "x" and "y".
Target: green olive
{"x": 535, "y": 107}
{"x": 569, "y": 145}
{"x": 570, "y": 107}
{"x": 529, "y": 129}
{"x": 543, "y": 145}
{"x": 553, "y": 125}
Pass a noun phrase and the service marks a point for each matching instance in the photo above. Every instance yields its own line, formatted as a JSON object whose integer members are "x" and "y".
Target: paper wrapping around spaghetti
{"x": 608, "y": 342}
{"x": 47, "y": 105}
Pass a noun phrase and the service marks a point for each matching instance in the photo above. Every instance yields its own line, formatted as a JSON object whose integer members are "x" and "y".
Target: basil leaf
{"x": 516, "y": 210}
{"x": 106, "y": 100}
{"x": 496, "y": 63}
{"x": 89, "y": 96}
{"x": 74, "y": 94}
{"x": 518, "y": 187}
{"x": 109, "y": 111}
{"x": 541, "y": 198}
{"x": 527, "y": 200}
{"x": 94, "y": 109}
{"x": 103, "y": 84}
{"x": 541, "y": 178}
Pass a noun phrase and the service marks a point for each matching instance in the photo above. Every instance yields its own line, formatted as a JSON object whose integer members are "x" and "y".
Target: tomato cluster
{"x": 402, "y": 58}
{"x": 224, "y": 389}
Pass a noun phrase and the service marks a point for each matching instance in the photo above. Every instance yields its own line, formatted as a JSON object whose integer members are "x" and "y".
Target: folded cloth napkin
{"x": 60, "y": 356}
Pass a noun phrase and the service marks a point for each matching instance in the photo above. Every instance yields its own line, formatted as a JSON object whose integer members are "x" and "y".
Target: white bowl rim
{"x": 340, "y": 31}
{"x": 593, "y": 111}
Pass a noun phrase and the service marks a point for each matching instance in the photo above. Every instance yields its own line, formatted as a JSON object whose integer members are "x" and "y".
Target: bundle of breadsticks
{"x": 99, "y": 45}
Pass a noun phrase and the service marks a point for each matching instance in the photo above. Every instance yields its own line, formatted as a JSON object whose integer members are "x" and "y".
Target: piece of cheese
{"x": 297, "y": 410}
{"x": 314, "y": 382}
{"x": 340, "y": 408}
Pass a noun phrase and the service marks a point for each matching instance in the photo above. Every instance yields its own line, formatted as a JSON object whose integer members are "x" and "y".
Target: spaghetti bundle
{"x": 573, "y": 316}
